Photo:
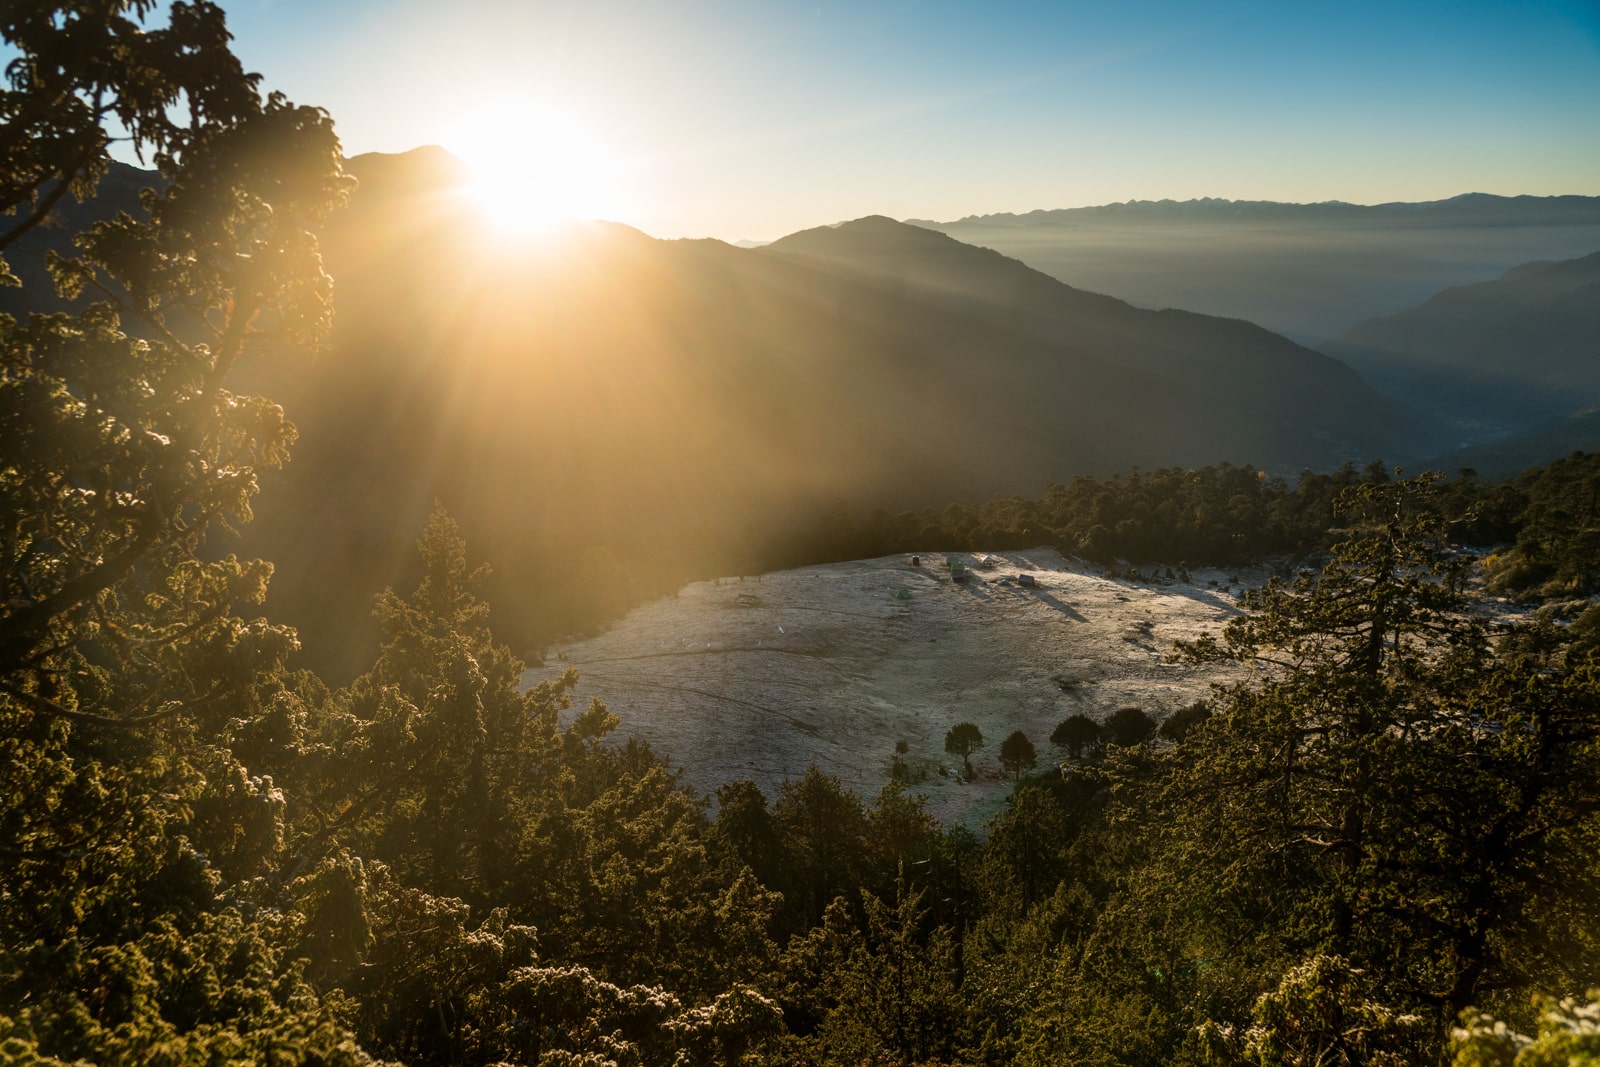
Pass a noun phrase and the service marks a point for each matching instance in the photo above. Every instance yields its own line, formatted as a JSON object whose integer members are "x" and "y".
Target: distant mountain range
{"x": 1308, "y": 271}
{"x": 1468, "y": 209}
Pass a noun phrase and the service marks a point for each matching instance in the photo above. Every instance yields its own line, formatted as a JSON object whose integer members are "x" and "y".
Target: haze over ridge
{"x": 1308, "y": 271}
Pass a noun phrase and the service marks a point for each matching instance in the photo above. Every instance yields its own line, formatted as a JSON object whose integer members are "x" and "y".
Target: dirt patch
{"x": 760, "y": 677}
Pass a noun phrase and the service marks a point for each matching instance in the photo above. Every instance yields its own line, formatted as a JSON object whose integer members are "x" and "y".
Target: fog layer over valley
{"x": 1495, "y": 358}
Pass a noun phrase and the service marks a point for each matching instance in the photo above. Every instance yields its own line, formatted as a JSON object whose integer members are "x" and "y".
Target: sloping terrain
{"x": 1307, "y": 271}
{"x": 760, "y": 677}
{"x": 1205, "y": 385}
{"x": 1503, "y": 355}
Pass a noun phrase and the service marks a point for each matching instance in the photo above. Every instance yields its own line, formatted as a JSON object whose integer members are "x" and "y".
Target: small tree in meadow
{"x": 963, "y": 740}
{"x": 1128, "y": 727}
{"x": 1017, "y": 754}
{"x": 1078, "y": 734}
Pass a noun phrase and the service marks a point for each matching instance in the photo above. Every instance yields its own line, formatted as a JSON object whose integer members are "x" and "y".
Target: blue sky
{"x": 753, "y": 118}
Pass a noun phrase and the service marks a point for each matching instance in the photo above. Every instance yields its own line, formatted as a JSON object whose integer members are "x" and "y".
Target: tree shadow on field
{"x": 1216, "y": 600}
{"x": 1049, "y": 601}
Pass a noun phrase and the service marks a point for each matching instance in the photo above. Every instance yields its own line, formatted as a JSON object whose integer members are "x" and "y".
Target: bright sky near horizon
{"x": 755, "y": 118}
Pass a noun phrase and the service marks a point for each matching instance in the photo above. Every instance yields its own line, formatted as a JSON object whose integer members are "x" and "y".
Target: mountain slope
{"x": 1205, "y": 386}
{"x": 1503, "y": 355}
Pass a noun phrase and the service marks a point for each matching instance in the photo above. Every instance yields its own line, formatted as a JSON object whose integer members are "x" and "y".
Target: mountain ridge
{"x": 1476, "y": 204}
{"x": 1309, "y": 272}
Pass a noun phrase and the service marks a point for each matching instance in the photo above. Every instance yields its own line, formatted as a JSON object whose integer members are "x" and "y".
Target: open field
{"x": 759, "y": 677}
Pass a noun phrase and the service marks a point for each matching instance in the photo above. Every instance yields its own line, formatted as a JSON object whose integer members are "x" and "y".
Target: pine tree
{"x": 1017, "y": 754}
{"x": 128, "y": 657}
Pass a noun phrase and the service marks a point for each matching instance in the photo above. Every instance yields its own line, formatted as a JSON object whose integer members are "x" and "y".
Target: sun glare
{"x": 534, "y": 167}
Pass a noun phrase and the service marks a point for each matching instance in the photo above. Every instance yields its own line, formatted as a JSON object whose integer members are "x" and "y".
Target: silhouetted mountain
{"x": 1497, "y": 357}
{"x": 1466, "y": 209}
{"x": 1308, "y": 271}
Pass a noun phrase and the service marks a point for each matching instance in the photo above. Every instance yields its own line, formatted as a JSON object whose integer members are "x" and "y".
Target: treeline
{"x": 1539, "y": 524}
{"x": 1224, "y": 515}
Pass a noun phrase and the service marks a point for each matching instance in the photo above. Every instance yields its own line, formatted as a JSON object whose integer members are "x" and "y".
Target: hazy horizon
{"x": 1042, "y": 209}
{"x": 716, "y": 119}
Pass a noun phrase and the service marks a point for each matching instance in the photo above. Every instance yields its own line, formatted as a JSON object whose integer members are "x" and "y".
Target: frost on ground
{"x": 760, "y": 677}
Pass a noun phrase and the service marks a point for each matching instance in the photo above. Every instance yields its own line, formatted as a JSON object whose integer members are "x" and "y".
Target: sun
{"x": 535, "y": 167}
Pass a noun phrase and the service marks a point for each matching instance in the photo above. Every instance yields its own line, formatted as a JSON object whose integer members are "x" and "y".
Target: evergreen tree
{"x": 963, "y": 739}
{"x": 1410, "y": 795}
{"x": 135, "y": 839}
{"x": 1017, "y": 754}
{"x": 1128, "y": 726}
{"x": 1077, "y": 734}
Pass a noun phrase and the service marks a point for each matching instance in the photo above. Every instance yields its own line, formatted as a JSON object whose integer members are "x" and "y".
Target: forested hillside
{"x": 214, "y": 856}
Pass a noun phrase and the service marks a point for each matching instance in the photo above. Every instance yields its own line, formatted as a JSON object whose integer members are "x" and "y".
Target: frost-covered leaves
{"x": 217, "y": 987}
{"x": 1322, "y": 1015}
{"x": 430, "y": 986}
{"x": 1568, "y": 1036}
{"x": 137, "y": 924}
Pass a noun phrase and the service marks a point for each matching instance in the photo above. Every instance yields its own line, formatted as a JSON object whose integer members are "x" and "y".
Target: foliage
{"x": 1176, "y": 727}
{"x": 1569, "y": 1036}
{"x": 131, "y": 929}
{"x": 1216, "y": 515}
{"x": 887, "y": 991}
{"x": 1388, "y": 735}
{"x": 1077, "y": 734}
{"x": 1319, "y": 1016}
{"x": 1557, "y": 531}
{"x": 963, "y": 739}
{"x": 1127, "y": 726}
{"x": 1017, "y": 754}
